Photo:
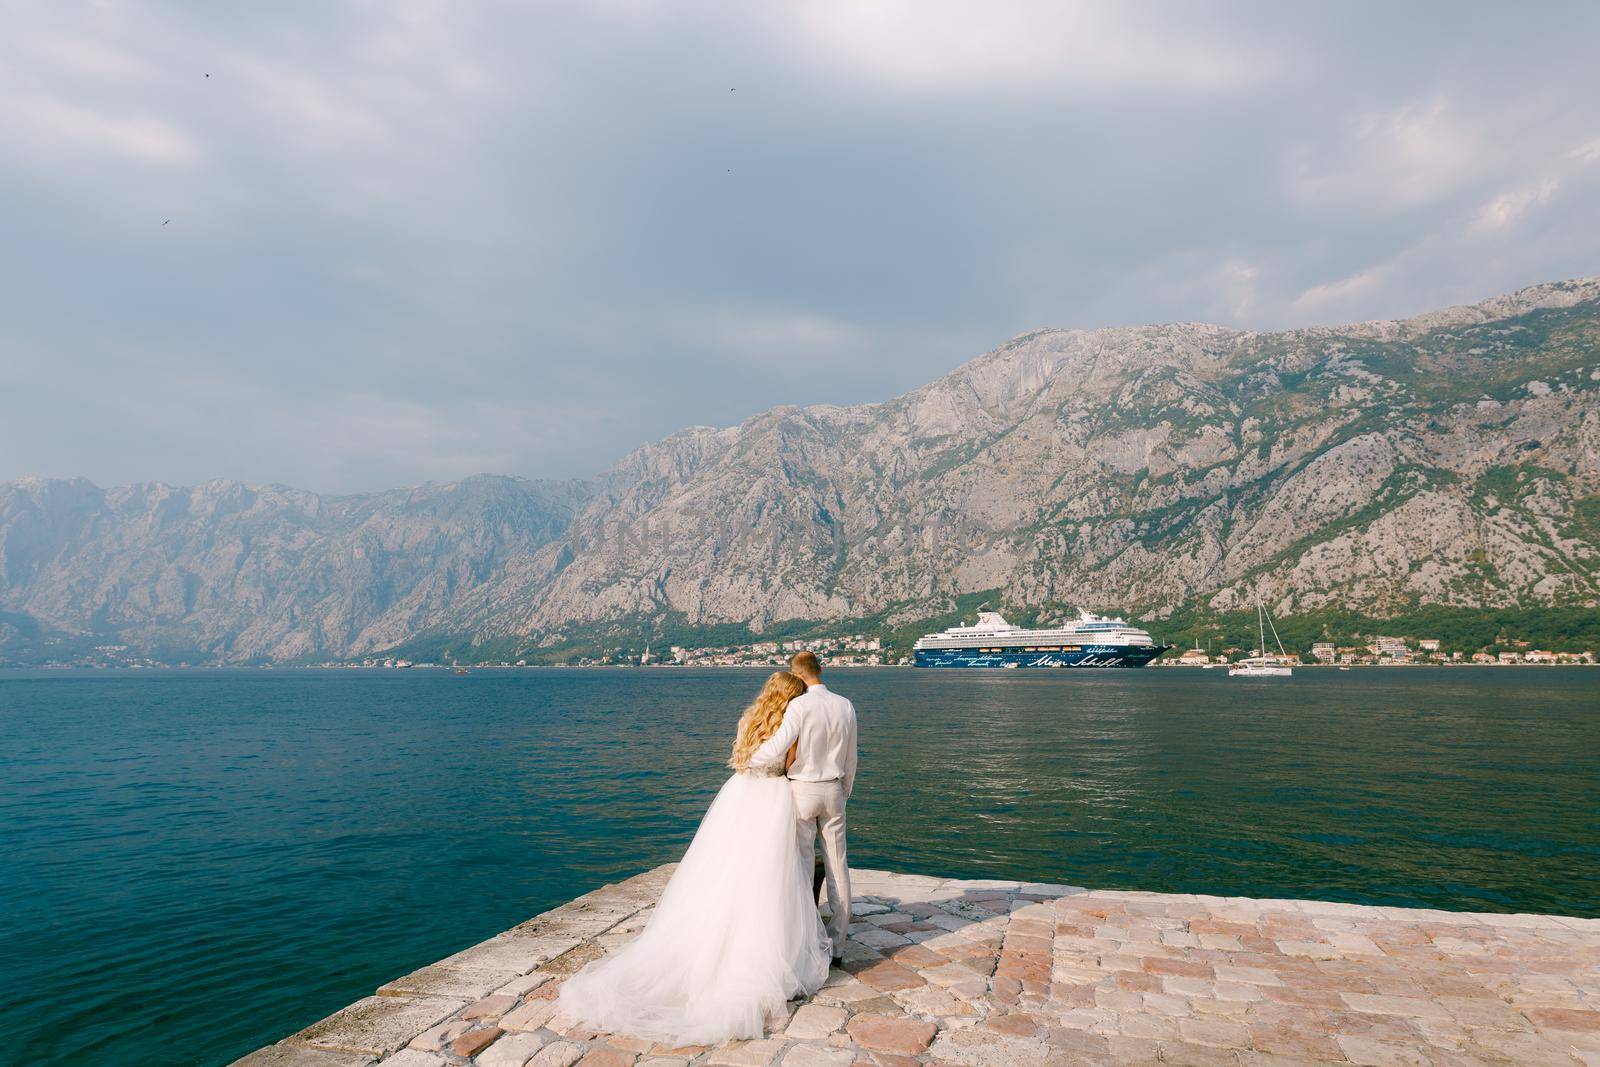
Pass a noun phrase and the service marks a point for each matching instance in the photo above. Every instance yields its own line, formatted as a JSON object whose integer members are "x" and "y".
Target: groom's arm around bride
{"x": 821, "y": 725}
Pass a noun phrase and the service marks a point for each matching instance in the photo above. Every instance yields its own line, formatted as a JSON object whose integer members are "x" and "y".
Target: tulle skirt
{"x": 735, "y": 935}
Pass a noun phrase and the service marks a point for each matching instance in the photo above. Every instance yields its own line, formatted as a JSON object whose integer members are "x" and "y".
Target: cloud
{"x": 1572, "y": 168}
{"x": 86, "y": 57}
{"x": 1337, "y": 297}
{"x": 1397, "y": 158}
{"x": 777, "y": 331}
{"x": 366, "y": 436}
{"x": 1509, "y": 207}
{"x": 955, "y": 46}
{"x": 413, "y": 240}
{"x": 55, "y": 129}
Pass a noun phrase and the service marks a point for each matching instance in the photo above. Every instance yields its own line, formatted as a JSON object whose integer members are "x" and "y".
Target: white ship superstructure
{"x": 1088, "y": 641}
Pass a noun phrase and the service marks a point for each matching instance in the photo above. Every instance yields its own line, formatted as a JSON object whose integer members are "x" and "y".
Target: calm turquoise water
{"x": 198, "y": 863}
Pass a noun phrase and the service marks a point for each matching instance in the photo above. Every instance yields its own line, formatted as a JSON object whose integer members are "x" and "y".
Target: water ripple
{"x": 208, "y": 860}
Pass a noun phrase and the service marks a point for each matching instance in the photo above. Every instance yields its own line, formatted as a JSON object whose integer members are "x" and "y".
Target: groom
{"x": 821, "y": 725}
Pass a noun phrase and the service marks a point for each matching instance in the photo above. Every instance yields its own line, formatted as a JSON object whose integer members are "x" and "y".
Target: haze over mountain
{"x": 1452, "y": 458}
{"x": 351, "y": 246}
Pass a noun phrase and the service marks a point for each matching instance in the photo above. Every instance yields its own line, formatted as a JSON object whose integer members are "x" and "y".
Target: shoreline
{"x": 989, "y": 972}
{"x": 440, "y": 669}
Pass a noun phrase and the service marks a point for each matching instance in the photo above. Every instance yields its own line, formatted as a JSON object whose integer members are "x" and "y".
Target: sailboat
{"x": 1263, "y": 666}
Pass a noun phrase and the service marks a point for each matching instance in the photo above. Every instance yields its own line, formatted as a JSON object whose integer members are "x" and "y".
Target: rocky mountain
{"x": 1452, "y": 458}
{"x": 225, "y": 571}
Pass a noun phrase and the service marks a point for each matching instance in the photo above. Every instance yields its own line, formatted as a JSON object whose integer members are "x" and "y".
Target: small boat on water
{"x": 1259, "y": 668}
{"x": 1263, "y": 665}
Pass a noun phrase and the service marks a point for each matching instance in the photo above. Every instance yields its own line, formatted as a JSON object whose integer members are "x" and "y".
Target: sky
{"x": 351, "y": 246}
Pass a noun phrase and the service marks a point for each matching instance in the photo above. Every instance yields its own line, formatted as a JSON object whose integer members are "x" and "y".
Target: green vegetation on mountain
{"x": 1342, "y": 475}
{"x": 1464, "y": 630}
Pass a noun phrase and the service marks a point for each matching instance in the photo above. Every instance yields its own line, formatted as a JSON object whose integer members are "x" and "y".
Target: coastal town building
{"x": 847, "y": 650}
{"x": 1392, "y": 651}
{"x": 1390, "y": 648}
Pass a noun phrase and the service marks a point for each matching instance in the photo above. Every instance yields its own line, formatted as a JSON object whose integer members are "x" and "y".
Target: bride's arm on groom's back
{"x": 776, "y": 747}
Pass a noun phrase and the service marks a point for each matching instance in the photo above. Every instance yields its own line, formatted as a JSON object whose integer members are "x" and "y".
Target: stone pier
{"x": 980, "y": 973}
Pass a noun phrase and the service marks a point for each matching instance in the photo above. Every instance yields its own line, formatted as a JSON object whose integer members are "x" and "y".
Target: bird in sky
{"x": 164, "y": 223}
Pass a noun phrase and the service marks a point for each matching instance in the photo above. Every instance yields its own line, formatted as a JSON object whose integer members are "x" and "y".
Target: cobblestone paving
{"x": 995, "y": 974}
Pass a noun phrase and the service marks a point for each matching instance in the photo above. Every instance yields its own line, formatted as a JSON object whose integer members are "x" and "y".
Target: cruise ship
{"x": 1089, "y": 641}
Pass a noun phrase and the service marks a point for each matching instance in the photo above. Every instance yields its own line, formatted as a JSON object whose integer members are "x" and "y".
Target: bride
{"x": 736, "y": 933}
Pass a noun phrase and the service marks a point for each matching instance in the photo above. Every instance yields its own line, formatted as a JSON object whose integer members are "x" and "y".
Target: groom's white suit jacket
{"x": 825, "y": 724}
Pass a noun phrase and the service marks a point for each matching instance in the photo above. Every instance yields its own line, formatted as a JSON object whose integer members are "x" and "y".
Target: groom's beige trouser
{"x": 820, "y": 807}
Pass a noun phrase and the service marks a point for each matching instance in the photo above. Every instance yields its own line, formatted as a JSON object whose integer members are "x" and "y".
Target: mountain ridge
{"x": 1452, "y": 457}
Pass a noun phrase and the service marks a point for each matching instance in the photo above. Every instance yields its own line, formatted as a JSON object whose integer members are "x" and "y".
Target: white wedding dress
{"x": 735, "y": 935}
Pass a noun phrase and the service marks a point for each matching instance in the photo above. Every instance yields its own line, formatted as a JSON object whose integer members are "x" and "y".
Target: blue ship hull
{"x": 1085, "y": 656}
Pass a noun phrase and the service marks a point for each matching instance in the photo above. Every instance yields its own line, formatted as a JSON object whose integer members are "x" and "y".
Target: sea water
{"x": 197, "y": 863}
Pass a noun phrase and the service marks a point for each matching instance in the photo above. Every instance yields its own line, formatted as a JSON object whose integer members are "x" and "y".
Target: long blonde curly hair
{"x": 763, "y": 717}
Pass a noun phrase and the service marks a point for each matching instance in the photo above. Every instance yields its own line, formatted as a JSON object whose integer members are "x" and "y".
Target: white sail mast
{"x": 1275, "y": 636}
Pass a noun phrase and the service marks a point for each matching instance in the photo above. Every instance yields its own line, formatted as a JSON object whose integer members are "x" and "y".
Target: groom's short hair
{"x": 806, "y": 664}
